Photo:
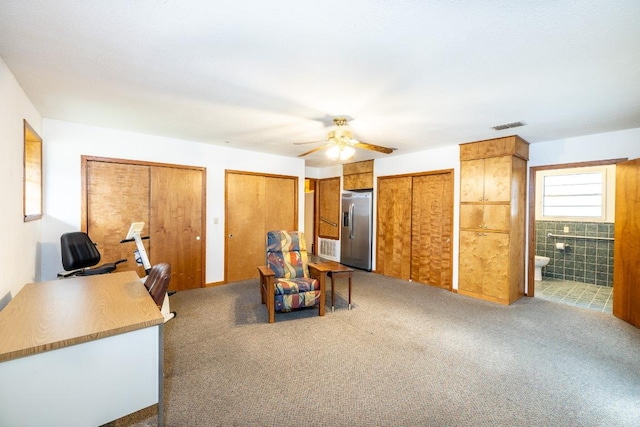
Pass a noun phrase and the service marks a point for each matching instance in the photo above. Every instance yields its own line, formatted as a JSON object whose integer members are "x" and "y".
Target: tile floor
{"x": 578, "y": 294}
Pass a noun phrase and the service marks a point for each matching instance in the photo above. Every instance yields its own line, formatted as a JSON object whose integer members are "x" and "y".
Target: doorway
{"x": 579, "y": 254}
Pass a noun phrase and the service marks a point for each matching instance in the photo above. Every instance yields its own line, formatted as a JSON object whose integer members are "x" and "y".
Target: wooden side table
{"x": 335, "y": 269}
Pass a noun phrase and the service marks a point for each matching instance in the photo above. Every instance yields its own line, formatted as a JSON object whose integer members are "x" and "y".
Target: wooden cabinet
{"x": 358, "y": 176}
{"x": 492, "y": 219}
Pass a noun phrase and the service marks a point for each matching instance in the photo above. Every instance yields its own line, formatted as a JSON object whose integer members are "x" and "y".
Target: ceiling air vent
{"x": 507, "y": 126}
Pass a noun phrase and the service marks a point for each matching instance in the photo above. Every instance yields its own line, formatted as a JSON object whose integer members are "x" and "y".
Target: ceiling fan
{"x": 340, "y": 143}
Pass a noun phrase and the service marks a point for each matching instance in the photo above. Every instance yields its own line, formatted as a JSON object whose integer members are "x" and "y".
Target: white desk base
{"x": 86, "y": 384}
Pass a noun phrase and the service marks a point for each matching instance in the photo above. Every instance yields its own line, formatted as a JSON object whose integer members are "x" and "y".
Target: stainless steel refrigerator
{"x": 356, "y": 229}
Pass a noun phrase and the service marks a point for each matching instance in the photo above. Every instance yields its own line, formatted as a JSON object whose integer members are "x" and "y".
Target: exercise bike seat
{"x": 79, "y": 254}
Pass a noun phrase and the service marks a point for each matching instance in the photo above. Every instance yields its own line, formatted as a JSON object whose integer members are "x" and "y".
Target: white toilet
{"x": 540, "y": 262}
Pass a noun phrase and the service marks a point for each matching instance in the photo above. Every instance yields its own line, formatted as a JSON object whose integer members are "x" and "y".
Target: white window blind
{"x": 576, "y": 195}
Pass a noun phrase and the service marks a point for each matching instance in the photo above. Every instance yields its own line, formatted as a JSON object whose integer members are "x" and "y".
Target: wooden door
{"x": 393, "y": 249}
{"x": 115, "y": 196}
{"x": 176, "y": 228}
{"x": 329, "y": 208}
{"x": 255, "y": 204}
{"x": 431, "y": 228}
{"x": 168, "y": 198}
{"x": 626, "y": 268}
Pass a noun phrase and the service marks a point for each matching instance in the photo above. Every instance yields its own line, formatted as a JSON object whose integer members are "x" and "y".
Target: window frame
{"x": 608, "y": 193}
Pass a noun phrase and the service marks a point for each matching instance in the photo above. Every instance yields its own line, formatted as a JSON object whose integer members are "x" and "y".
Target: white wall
{"x": 602, "y": 146}
{"x": 19, "y": 247}
{"x": 67, "y": 142}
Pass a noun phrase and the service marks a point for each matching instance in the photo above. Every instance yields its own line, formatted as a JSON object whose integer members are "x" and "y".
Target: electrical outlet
{"x": 566, "y": 229}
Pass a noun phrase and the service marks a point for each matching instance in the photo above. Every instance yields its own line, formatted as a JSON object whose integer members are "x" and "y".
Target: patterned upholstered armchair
{"x": 289, "y": 281}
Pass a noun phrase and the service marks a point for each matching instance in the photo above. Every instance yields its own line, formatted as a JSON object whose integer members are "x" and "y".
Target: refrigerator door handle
{"x": 351, "y": 220}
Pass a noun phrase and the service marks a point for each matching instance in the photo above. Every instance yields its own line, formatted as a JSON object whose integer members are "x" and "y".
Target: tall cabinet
{"x": 492, "y": 219}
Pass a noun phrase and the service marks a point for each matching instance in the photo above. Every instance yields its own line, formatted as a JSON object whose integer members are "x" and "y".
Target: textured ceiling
{"x": 261, "y": 75}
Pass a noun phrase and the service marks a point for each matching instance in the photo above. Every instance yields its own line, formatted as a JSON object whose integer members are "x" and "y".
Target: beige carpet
{"x": 405, "y": 355}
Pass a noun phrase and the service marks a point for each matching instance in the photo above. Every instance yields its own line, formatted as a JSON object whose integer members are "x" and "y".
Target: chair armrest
{"x": 265, "y": 271}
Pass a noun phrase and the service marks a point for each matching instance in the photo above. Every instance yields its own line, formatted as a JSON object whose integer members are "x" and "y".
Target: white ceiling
{"x": 263, "y": 74}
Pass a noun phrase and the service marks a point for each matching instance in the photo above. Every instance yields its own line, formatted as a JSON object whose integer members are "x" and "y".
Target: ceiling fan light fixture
{"x": 340, "y": 152}
{"x": 347, "y": 152}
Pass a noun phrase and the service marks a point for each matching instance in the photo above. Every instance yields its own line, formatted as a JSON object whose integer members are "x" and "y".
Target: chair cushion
{"x": 287, "y": 264}
{"x": 285, "y": 241}
{"x": 296, "y": 285}
{"x": 287, "y": 254}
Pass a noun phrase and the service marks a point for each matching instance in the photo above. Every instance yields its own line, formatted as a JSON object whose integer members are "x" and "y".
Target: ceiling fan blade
{"x": 314, "y": 150}
{"x": 377, "y": 148}
{"x": 309, "y": 142}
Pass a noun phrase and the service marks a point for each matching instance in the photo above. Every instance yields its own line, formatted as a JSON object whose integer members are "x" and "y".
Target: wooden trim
{"x": 532, "y": 210}
{"x": 404, "y": 175}
{"x": 31, "y": 140}
{"x": 140, "y": 163}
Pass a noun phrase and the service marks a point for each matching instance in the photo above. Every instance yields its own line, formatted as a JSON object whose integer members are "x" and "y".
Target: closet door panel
{"x": 255, "y": 204}
{"x": 176, "y": 229}
{"x": 245, "y": 218}
{"x": 393, "y": 252}
{"x": 116, "y": 194}
{"x": 432, "y": 209}
{"x": 281, "y": 203}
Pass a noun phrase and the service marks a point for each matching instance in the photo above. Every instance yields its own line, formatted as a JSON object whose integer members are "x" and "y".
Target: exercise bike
{"x": 142, "y": 259}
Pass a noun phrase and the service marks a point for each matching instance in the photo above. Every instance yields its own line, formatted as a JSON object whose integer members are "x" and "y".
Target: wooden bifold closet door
{"x": 255, "y": 204}
{"x": 415, "y": 218}
{"x": 170, "y": 201}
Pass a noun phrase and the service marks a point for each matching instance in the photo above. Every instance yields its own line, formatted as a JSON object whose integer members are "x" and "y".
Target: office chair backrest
{"x": 78, "y": 251}
{"x": 157, "y": 282}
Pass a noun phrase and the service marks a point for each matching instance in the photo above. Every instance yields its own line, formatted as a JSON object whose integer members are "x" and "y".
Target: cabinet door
{"x": 484, "y": 261}
{"x": 471, "y": 180}
{"x": 486, "y": 180}
{"x": 497, "y": 179}
{"x": 495, "y": 261}
{"x": 471, "y": 262}
{"x": 485, "y": 217}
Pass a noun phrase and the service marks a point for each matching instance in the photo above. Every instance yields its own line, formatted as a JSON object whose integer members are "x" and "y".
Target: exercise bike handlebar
{"x": 133, "y": 240}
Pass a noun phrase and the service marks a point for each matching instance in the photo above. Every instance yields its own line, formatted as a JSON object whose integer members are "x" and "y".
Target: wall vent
{"x": 328, "y": 249}
{"x": 508, "y": 126}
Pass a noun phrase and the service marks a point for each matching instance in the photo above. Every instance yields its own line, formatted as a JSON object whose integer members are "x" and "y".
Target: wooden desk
{"x": 80, "y": 352}
{"x": 335, "y": 270}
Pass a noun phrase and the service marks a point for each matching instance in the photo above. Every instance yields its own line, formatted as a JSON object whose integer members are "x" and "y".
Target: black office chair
{"x": 79, "y": 254}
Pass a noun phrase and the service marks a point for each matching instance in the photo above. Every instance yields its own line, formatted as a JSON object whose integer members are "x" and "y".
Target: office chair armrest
{"x": 65, "y": 274}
